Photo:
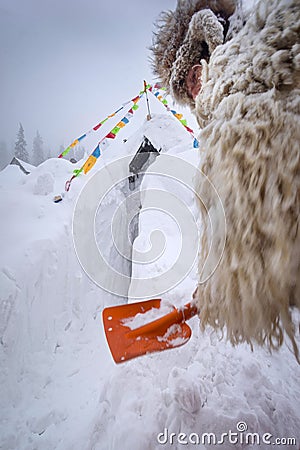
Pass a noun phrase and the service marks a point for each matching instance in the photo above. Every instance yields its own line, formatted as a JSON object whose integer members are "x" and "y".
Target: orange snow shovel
{"x": 126, "y": 342}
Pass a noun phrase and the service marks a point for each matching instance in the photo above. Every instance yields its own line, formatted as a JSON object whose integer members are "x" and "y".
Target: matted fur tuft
{"x": 174, "y": 52}
{"x": 249, "y": 107}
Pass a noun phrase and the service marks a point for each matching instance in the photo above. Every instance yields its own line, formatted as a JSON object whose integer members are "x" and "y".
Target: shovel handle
{"x": 189, "y": 310}
{"x": 177, "y": 316}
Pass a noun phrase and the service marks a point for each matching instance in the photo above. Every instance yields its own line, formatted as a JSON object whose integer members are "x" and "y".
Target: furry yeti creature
{"x": 244, "y": 87}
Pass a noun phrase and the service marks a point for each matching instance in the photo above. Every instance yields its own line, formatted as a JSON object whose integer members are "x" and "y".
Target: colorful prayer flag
{"x": 96, "y": 152}
{"x": 74, "y": 143}
{"x": 115, "y": 130}
{"x": 110, "y": 135}
{"x": 90, "y": 162}
{"x": 77, "y": 171}
{"x": 196, "y": 143}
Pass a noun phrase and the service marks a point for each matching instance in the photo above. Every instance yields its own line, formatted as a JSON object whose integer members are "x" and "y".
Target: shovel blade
{"x": 125, "y": 344}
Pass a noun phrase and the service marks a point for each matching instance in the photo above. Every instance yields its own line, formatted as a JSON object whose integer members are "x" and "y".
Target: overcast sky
{"x": 67, "y": 64}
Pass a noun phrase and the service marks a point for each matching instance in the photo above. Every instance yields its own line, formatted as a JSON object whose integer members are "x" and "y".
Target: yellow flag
{"x": 90, "y": 162}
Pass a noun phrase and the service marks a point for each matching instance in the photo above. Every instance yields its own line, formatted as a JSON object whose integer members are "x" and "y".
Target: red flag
{"x": 110, "y": 135}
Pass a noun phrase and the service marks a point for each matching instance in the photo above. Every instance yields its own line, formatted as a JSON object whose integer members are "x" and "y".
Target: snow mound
{"x": 44, "y": 184}
{"x": 10, "y": 176}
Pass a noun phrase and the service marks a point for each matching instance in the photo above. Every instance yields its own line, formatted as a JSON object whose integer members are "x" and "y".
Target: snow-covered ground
{"x": 59, "y": 387}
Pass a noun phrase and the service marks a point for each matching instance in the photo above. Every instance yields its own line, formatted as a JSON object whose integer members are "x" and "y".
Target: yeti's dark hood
{"x": 184, "y": 37}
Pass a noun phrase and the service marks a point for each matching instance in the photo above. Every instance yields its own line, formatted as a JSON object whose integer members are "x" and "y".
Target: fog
{"x": 67, "y": 64}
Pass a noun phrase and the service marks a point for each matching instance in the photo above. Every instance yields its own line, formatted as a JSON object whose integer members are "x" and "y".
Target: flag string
{"x": 95, "y": 128}
{"x": 105, "y": 141}
{"x": 156, "y": 91}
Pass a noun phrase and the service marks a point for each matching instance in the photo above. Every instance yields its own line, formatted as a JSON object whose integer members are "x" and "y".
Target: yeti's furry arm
{"x": 249, "y": 109}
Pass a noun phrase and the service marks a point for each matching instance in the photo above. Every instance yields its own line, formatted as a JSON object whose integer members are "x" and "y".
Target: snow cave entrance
{"x": 126, "y": 195}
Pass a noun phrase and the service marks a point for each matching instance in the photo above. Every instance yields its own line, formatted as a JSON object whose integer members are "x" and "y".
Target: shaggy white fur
{"x": 249, "y": 109}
